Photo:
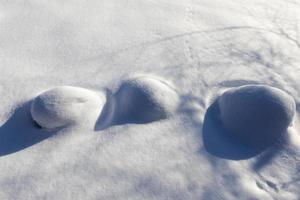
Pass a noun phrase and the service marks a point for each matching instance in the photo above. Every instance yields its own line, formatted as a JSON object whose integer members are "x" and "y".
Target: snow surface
{"x": 202, "y": 47}
{"x": 257, "y": 115}
{"x": 66, "y": 106}
{"x": 145, "y": 99}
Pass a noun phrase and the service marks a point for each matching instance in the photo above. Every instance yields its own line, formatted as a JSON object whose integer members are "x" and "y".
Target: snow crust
{"x": 66, "y": 105}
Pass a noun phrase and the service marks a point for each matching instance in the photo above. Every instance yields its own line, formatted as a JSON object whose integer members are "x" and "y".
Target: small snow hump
{"x": 66, "y": 105}
{"x": 257, "y": 115}
{"x": 145, "y": 99}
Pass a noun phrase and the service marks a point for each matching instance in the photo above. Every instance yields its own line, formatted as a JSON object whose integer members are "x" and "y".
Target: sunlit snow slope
{"x": 201, "y": 48}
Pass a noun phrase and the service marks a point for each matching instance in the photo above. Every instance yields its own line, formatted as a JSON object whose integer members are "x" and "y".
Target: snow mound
{"x": 66, "y": 105}
{"x": 257, "y": 115}
{"x": 145, "y": 99}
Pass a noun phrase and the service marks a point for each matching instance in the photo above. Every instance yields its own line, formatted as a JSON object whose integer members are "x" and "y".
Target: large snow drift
{"x": 66, "y": 105}
{"x": 256, "y": 114}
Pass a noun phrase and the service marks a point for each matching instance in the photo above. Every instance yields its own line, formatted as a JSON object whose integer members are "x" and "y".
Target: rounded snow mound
{"x": 256, "y": 114}
{"x": 145, "y": 99}
{"x": 67, "y": 105}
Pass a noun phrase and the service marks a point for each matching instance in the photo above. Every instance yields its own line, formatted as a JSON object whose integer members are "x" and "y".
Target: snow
{"x": 258, "y": 115}
{"x": 66, "y": 105}
{"x": 199, "y": 49}
{"x": 145, "y": 99}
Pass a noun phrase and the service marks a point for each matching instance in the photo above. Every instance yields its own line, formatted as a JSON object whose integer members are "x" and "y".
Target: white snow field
{"x": 178, "y": 148}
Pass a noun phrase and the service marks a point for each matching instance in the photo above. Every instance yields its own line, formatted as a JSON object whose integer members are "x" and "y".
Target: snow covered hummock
{"x": 66, "y": 105}
{"x": 256, "y": 114}
{"x": 144, "y": 99}
{"x": 203, "y": 47}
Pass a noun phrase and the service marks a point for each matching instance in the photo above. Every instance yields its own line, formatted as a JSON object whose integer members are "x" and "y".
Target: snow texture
{"x": 257, "y": 114}
{"x": 202, "y": 47}
{"x": 145, "y": 99}
{"x": 65, "y": 105}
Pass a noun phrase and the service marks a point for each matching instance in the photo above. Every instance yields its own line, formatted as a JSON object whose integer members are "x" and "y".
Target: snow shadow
{"x": 220, "y": 143}
{"x": 20, "y": 132}
{"x": 138, "y": 110}
{"x": 238, "y": 82}
{"x": 139, "y": 100}
{"x": 135, "y": 107}
{"x": 106, "y": 118}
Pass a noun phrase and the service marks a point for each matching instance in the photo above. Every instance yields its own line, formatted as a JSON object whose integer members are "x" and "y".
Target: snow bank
{"x": 67, "y": 105}
{"x": 256, "y": 114}
{"x": 145, "y": 99}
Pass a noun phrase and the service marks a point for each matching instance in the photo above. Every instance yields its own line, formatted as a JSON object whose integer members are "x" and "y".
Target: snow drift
{"x": 66, "y": 105}
{"x": 256, "y": 114}
{"x": 145, "y": 99}
{"x": 203, "y": 47}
